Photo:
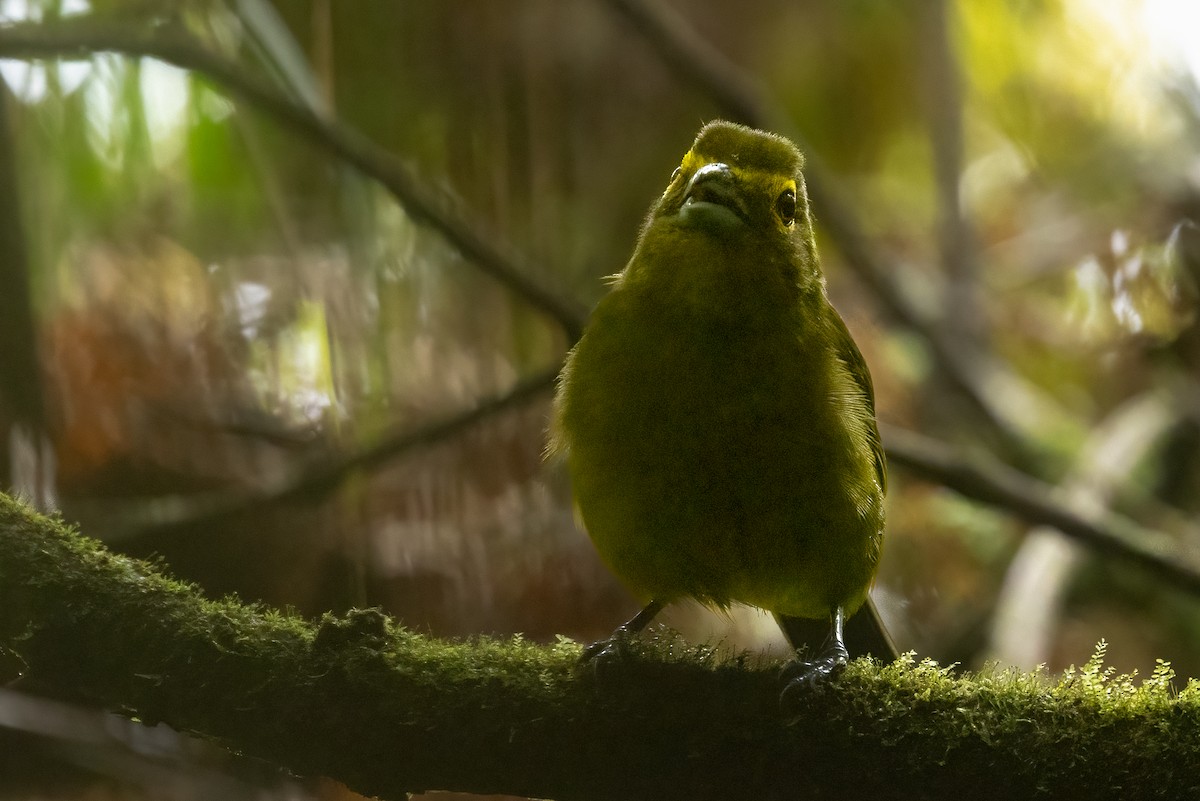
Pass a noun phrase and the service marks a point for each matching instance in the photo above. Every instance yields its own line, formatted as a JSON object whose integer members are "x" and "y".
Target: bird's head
{"x": 736, "y": 202}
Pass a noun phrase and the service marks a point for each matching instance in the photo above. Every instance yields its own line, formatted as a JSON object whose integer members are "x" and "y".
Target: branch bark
{"x": 388, "y": 711}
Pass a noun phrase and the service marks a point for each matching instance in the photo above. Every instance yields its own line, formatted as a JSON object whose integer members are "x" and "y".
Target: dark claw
{"x": 803, "y": 677}
{"x": 615, "y": 646}
{"x": 604, "y": 658}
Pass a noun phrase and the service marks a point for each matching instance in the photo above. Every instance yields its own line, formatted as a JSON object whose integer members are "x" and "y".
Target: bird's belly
{"x": 725, "y": 476}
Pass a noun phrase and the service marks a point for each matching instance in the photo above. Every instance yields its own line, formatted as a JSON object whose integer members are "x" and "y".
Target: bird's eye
{"x": 786, "y": 206}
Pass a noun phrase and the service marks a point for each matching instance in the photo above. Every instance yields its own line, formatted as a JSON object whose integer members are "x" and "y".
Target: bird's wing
{"x": 849, "y": 353}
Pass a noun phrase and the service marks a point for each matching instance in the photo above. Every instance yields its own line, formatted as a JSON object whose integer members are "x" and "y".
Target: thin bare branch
{"x": 83, "y": 37}
{"x": 743, "y": 100}
{"x": 322, "y": 479}
{"x": 999, "y": 485}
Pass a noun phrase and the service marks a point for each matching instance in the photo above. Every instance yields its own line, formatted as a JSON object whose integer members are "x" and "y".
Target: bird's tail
{"x": 864, "y": 633}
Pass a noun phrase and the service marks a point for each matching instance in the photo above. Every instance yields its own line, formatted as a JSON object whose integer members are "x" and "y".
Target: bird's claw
{"x": 603, "y": 649}
{"x": 801, "y": 677}
{"x": 602, "y": 656}
{"x": 615, "y": 648}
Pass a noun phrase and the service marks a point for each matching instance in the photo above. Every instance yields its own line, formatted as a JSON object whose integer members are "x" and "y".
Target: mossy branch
{"x": 387, "y": 711}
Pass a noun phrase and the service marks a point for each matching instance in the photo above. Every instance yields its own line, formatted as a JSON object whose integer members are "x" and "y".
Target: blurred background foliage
{"x": 230, "y": 343}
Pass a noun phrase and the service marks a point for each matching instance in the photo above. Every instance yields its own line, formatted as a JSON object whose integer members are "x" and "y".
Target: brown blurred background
{"x": 230, "y": 342}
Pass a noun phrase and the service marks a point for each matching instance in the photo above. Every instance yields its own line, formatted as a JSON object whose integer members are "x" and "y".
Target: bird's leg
{"x": 803, "y": 675}
{"x": 611, "y": 644}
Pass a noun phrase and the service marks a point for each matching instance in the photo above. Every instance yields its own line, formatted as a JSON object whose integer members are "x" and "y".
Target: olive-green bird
{"x": 718, "y": 420}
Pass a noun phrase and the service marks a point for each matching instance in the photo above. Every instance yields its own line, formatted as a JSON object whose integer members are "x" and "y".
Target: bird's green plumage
{"x": 716, "y": 417}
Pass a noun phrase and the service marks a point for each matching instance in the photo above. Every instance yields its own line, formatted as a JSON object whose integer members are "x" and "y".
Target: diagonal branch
{"x": 323, "y": 478}
{"x": 84, "y": 37}
{"x": 999, "y": 485}
{"x": 741, "y": 98}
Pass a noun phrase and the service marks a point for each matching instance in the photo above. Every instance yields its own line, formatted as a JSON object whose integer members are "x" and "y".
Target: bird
{"x": 717, "y": 419}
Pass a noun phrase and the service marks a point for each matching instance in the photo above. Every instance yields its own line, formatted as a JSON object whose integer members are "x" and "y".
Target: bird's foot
{"x": 616, "y": 646}
{"x": 801, "y": 677}
{"x": 604, "y": 657}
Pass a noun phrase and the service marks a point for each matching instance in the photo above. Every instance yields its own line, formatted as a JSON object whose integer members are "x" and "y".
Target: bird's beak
{"x": 714, "y": 185}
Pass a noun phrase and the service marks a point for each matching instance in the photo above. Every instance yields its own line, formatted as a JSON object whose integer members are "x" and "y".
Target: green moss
{"x": 387, "y": 711}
